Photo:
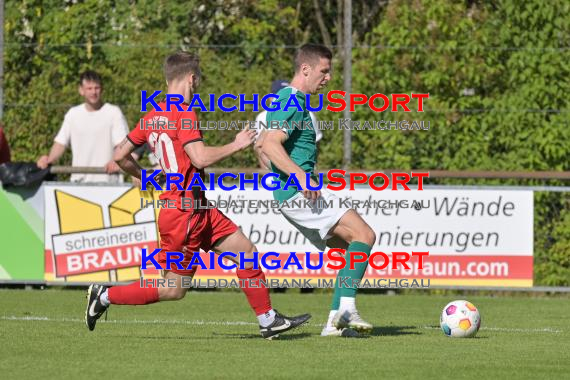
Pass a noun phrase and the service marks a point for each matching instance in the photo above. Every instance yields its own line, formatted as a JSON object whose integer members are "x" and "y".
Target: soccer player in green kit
{"x": 294, "y": 150}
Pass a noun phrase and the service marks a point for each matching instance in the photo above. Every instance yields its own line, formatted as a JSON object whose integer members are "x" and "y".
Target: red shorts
{"x": 195, "y": 231}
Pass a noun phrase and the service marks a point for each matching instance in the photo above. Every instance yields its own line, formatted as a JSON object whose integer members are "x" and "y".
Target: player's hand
{"x": 136, "y": 182}
{"x": 112, "y": 167}
{"x": 245, "y": 138}
{"x": 312, "y": 195}
{"x": 43, "y": 162}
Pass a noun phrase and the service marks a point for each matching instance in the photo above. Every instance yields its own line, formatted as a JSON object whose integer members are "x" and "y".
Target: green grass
{"x": 42, "y": 335}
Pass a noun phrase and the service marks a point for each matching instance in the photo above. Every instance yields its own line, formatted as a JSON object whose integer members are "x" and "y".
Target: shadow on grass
{"x": 438, "y": 328}
{"x": 257, "y": 336}
{"x": 394, "y": 330}
{"x": 376, "y": 331}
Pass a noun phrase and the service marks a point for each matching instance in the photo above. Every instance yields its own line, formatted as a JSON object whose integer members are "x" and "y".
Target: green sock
{"x": 357, "y": 273}
{"x": 336, "y": 295}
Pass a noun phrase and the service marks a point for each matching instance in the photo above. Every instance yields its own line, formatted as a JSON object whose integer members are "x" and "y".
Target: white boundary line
{"x": 506, "y": 329}
{"x": 230, "y": 323}
{"x": 129, "y": 321}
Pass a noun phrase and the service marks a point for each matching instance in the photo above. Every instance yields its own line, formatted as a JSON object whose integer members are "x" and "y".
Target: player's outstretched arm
{"x": 272, "y": 147}
{"x": 122, "y": 156}
{"x": 203, "y": 156}
{"x": 262, "y": 159}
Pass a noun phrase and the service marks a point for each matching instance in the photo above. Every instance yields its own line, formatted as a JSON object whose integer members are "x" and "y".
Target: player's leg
{"x": 131, "y": 294}
{"x": 337, "y": 227}
{"x": 315, "y": 224}
{"x": 258, "y": 297}
{"x": 173, "y": 226}
{"x": 100, "y": 297}
{"x": 271, "y": 322}
{"x": 329, "y": 329}
{"x": 352, "y": 229}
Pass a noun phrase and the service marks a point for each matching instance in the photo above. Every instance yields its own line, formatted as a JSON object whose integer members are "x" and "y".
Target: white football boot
{"x": 333, "y": 331}
{"x": 351, "y": 319}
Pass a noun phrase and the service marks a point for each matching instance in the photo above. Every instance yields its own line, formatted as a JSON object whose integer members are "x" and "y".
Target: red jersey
{"x": 167, "y": 132}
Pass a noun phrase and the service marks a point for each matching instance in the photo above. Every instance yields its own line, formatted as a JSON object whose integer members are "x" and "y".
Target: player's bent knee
{"x": 178, "y": 294}
{"x": 249, "y": 256}
{"x": 367, "y": 236}
{"x": 172, "y": 294}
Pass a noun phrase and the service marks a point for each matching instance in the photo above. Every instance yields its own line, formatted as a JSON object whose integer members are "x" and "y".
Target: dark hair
{"x": 180, "y": 64}
{"x": 310, "y": 54}
{"x": 91, "y": 76}
{"x": 278, "y": 85}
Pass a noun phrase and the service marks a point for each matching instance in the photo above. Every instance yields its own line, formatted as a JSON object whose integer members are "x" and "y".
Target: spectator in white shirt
{"x": 93, "y": 129}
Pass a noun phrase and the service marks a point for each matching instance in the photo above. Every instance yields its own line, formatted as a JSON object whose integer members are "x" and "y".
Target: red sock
{"x": 258, "y": 296}
{"x": 132, "y": 294}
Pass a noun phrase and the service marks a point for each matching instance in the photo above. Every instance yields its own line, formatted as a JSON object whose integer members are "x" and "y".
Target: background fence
{"x": 25, "y": 208}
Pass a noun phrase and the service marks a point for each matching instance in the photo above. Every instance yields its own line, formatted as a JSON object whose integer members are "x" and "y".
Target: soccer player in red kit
{"x": 182, "y": 150}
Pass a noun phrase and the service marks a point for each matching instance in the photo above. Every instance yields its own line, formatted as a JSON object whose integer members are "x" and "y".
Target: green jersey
{"x": 301, "y": 144}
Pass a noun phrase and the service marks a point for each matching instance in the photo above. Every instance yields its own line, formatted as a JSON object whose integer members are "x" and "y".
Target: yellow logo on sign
{"x": 79, "y": 215}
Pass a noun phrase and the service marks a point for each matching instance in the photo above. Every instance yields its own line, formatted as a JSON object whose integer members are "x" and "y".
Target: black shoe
{"x": 95, "y": 308}
{"x": 281, "y": 324}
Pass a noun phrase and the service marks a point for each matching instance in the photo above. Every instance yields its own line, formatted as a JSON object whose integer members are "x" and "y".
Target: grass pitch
{"x": 215, "y": 335}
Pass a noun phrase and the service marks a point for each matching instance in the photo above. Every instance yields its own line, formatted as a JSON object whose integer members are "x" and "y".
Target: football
{"x": 460, "y": 319}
